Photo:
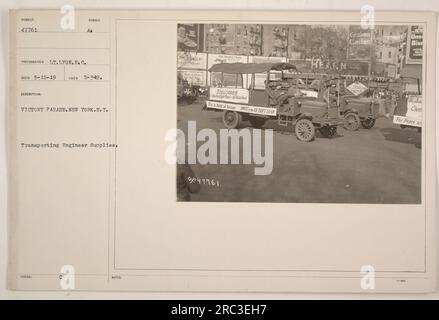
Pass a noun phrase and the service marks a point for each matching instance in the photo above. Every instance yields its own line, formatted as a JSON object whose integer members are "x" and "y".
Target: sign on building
{"x": 391, "y": 71}
{"x": 413, "y": 116}
{"x": 356, "y": 88}
{"x": 191, "y": 60}
{"x": 415, "y": 42}
{"x": 359, "y": 44}
{"x": 224, "y": 58}
{"x": 190, "y": 37}
{"x": 194, "y": 77}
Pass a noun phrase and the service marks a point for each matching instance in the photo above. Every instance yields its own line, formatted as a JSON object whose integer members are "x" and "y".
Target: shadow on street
{"x": 409, "y": 136}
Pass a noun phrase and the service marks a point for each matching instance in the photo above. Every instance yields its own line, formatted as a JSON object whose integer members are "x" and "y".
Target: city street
{"x": 380, "y": 165}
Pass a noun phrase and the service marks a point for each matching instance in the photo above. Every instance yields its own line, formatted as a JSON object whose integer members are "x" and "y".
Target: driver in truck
{"x": 279, "y": 96}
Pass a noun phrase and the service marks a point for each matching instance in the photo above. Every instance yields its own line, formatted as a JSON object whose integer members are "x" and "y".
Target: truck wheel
{"x": 305, "y": 130}
{"x": 351, "y": 121}
{"x": 231, "y": 119}
{"x": 328, "y": 131}
{"x": 368, "y": 123}
{"x": 257, "y": 122}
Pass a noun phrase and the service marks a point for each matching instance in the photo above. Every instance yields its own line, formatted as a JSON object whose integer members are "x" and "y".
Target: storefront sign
{"x": 415, "y": 43}
{"x": 261, "y": 59}
{"x": 191, "y": 60}
{"x": 241, "y": 108}
{"x": 356, "y": 88}
{"x": 224, "y": 58}
{"x": 229, "y": 94}
{"x": 194, "y": 77}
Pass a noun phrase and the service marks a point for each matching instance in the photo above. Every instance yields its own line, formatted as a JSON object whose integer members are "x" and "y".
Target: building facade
{"x": 332, "y": 49}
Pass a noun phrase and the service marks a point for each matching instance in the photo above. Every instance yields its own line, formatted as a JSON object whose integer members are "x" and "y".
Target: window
{"x": 232, "y": 80}
{"x": 389, "y": 54}
{"x": 260, "y": 79}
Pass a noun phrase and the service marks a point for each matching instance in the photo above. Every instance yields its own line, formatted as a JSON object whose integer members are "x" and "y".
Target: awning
{"x": 248, "y": 68}
{"x": 412, "y": 71}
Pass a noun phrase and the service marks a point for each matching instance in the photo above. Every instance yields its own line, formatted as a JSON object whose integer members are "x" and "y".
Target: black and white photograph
{"x": 299, "y": 113}
{"x": 272, "y": 151}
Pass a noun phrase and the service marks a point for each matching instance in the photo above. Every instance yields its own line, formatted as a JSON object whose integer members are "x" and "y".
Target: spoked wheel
{"x": 231, "y": 119}
{"x": 328, "y": 131}
{"x": 368, "y": 123}
{"x": 188, "y": 92}
{"x": 305, "y": 130}
{"x": 257, "y": 122}
{"x": 351, "y": 121}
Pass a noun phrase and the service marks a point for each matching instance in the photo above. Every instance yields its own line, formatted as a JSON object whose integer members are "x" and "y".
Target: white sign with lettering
{"x": 214, "y": 58}
{"x": 237, "y": 95}
{"x": 194, "y": 77}
{"x": 241, "y": 108}
{"x": 414, "y": 107}
{"x": 191, "y": 60}
{"x": 356, "y": 88}
{"x": 413, "y": 116}
{"x": 310, "y": 93}
{"x": 407, "y": 121}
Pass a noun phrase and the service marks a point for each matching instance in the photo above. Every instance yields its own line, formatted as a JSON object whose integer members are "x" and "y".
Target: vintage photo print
{"x": 299, "y": 113}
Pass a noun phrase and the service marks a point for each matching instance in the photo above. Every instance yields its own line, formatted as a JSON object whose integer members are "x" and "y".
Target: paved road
{"x": 380, "y": 165}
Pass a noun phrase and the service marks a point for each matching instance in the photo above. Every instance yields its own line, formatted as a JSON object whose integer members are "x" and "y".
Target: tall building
{"x": 244, "y": 39}
{"x": 295, "y": 34}
{"x": 275, "y": 40}
{"x": 390, "y": 44}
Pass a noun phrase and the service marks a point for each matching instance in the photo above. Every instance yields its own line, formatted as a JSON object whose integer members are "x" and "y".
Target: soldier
{"x": 278, "y": 98}
{"x": 388, "y": 103}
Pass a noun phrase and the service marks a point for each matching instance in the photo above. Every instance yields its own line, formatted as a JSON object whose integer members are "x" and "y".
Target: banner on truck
{"x": 241, "y": 108}
{"x": 413, "y": 116}
{"x": 236, "y": 95}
